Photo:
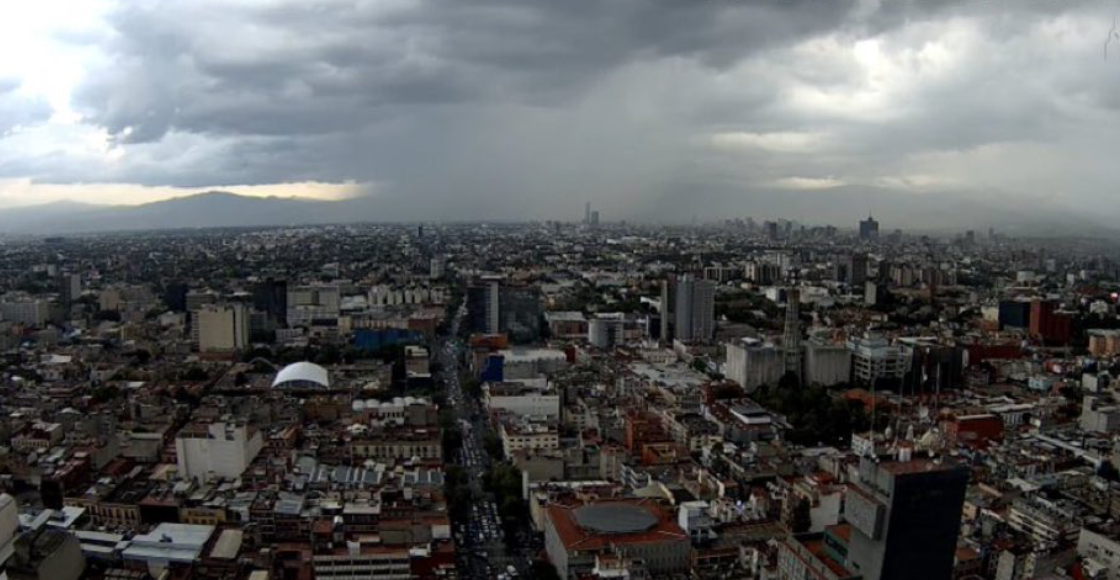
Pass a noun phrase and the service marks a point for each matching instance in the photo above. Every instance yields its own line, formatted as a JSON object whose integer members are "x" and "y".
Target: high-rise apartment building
{"x": 493, "y": 307}
{"x": 436, "y": 267}
{"x": 24, "y": 309}
{"x": 221, "y": 328}
{"x": 791, "y": 339}
{"x": 694, "y": 317}
{"x": 69, "y": 288}
{"x": 875, "y": 359}
{"x": 752, "y": 364}
{"x": 312, "y": 302}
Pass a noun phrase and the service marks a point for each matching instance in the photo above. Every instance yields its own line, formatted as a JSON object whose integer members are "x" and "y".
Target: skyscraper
{"x": 851, "y": 269}
{"x": 668, "y": 301}
{"x": 587, "y": 213}
{"x": 493, "y": 306}
{"x": 271, "y": 297}
{"x": 791, "y": 339}
{"x": 905, "y": 518}
{"x": 695, "y": 309}
{"x": 869, "y": 229}
{"x": 69, "y": 288}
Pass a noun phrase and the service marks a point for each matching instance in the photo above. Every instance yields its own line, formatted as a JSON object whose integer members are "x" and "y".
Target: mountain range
{"x": 214, "y": 209}
{"x": 218, "y": 209}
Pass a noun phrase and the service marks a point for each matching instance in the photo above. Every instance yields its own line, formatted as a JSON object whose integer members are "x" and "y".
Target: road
{"x": 484, "y": 553}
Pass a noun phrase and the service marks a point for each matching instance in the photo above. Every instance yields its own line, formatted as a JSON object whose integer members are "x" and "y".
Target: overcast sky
{"x": 650, "y": 109}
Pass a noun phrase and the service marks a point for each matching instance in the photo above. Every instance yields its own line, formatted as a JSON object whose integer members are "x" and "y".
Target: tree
{"x": 543, "y": 570}
{"x": 107, "y": 315}
{"x": 789, "y": 381}
{"x": 105, "y": 393}
{"x": 493, "y": 445}
{"x": 142, "y": 357}
{"x": 196, "y": 374}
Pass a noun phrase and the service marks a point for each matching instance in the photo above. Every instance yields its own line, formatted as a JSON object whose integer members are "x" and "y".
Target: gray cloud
{"x": 504, "y": 108}
{"x": 18, "y": 110}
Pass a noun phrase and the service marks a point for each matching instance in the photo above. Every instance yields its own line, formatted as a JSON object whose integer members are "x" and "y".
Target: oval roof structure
{"x": 302, "y": 373}
{"x": 614, "y": 518}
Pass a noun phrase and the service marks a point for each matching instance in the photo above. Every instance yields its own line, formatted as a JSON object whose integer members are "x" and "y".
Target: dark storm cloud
{"x": 527, "y": 108}
{"x": 298, "y": 68}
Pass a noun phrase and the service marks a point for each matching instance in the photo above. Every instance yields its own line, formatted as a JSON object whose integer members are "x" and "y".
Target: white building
{"x": 606, "y": 331}
{"x": 523, "y": 435}
{"x": 827, "y": 364}
{"x": 522, "y": 401}
{"x": 9, "y": 520}
{"x": 695, "y": 518}
{"x": 1100, "y": 552}
{"x": 25, "y": 310}
{"x": 436, "y": 267}
{"x": 873, "y": 359}
{"x": 221, "y": 328}
{"x": 1099, "y": 415}
{"x": 168, "y": 544}
{"x": 752, "y": 363}
{"x": 529, "y": 363}
{"x": 219, "y": 449}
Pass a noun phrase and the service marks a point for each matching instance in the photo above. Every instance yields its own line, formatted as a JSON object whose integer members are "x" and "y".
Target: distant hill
{"x": 203, "y": 210}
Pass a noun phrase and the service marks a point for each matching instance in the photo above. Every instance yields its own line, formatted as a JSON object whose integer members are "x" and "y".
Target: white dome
{"x": 302, "y": 372}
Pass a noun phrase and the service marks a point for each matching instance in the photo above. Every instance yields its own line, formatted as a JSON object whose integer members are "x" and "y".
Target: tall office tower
{"x": 309, "y": 303}
{"x": 175, "y": 296}
{"x": 595, "y": 218}
{"x": 587, "y": 213}
{"x": 905, "y": 518}
{"x": 222, "y": 328}
{"x": 695, "y": 309}
{"x": 791, "y": 339}
{"x": 668, "y": 300}
{"x": 772, "y": 231}
{"x": 856, "y": 270}
{"x": 476, "y": 307}
{"x": 869, "y": 229}
{"x": 271, "y": 298}
{"x": 69, "y": 288}
{"x": 493, "y": 306}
